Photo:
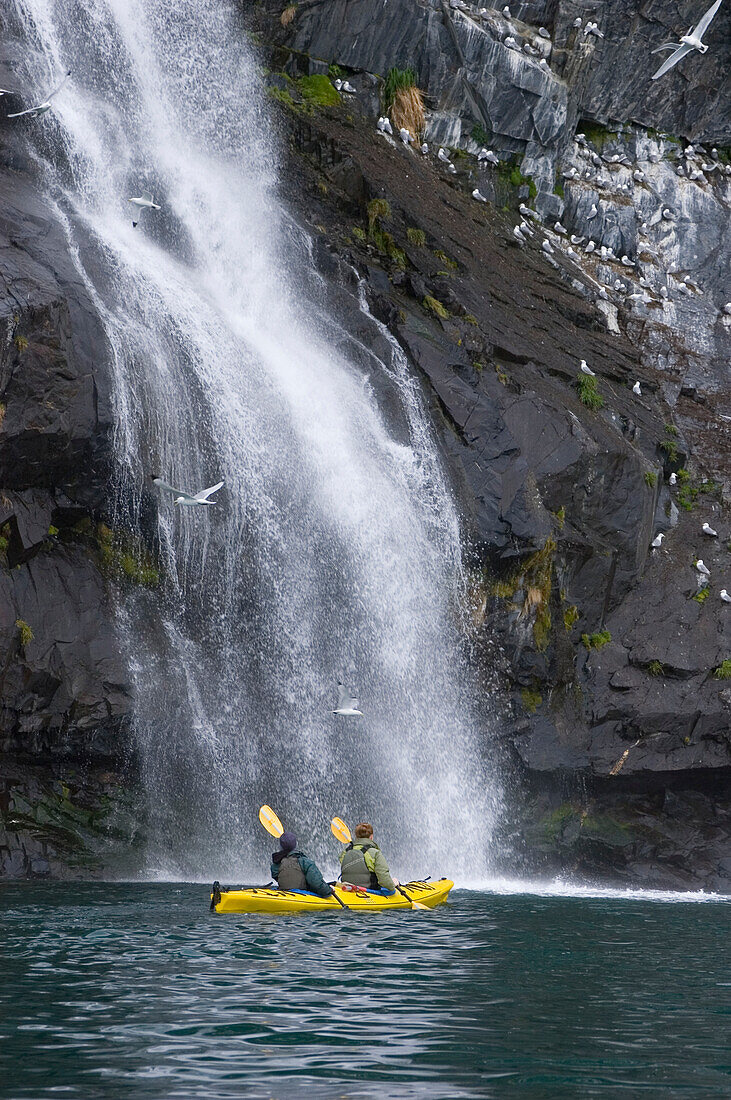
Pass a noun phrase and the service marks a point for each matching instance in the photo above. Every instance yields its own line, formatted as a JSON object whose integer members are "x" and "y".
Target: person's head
{"x": 364, "y": 831}
{"x": 288, "y": 842}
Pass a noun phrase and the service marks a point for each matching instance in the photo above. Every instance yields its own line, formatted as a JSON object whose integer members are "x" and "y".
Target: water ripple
{"x": 135, "y": 990}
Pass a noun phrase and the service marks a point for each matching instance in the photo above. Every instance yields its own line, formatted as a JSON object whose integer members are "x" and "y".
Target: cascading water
{"x": 335, "y": 546}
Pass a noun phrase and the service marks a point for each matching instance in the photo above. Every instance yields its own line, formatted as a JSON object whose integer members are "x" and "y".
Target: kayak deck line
{"x": 257, "y": 899}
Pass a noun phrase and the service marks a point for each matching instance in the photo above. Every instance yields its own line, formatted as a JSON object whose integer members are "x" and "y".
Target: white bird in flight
{"x": 144, "y": 201}
{"x": 41, "y": 108}
{"x": 189, "y": 499}
{"x": 708, "y": 530}
{"x": 347, "y": 704}
{"x": 688, "y": 42}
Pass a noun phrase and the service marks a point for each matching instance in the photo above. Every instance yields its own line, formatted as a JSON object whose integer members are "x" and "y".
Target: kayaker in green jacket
{"x": 363, "y": 862}
{"x": 293, "y": 870}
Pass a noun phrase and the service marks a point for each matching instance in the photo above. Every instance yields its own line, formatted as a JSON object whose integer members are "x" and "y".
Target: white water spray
{"x": 335, "y": 548}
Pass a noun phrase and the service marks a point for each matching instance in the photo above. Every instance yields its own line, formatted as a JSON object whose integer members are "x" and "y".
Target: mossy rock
{"x": 318, "y": 91}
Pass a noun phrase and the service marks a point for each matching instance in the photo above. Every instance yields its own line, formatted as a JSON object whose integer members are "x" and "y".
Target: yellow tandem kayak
{"x": 261, "y": 899}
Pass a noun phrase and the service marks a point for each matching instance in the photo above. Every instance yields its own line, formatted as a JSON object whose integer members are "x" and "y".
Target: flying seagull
{"x": 189, "y": 499}
{"x": 142, "y": 202}
{"x": 688, "y": 42}
{"x": 347, "y": 704}
{"x": 41, "y": 108}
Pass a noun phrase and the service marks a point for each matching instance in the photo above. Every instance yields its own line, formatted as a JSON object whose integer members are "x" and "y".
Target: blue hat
{"x": 288, "y": 842}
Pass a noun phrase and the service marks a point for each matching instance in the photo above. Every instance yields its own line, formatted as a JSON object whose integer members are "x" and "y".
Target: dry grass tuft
{"x": 407, "y": 110}
{"x": 533, "y": 598}
{"x": 288, "y": 15}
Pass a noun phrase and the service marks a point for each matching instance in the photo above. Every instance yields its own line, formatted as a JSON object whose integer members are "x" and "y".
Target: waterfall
{"x": 335, "y": 548}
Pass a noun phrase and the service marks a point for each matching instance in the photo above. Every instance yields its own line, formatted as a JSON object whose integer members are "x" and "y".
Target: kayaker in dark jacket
{"x": 292, "y": 870}
{"x": 363, "y": 862}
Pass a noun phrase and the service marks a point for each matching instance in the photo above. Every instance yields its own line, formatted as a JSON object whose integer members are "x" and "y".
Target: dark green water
{"x": 137, "y": 991}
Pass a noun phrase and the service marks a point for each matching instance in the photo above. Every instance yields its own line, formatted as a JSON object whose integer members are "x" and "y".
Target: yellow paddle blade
{"x": 340, "y": 830}
{"x": 270, "y": 821}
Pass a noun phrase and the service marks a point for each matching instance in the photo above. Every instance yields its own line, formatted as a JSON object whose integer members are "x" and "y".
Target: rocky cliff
{"x": 612, "y": 657}
{"x": 620, "y": 717}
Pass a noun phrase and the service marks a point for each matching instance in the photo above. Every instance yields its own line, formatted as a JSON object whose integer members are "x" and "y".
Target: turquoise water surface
{"x": 136, "y": 990}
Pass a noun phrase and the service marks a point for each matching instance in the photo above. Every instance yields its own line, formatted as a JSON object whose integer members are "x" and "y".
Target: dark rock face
{"x": 612, "y": 734}
{"x": 64, "y": 691}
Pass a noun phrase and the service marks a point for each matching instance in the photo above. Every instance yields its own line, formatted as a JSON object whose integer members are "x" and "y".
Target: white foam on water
{"x": 559, "y": 888}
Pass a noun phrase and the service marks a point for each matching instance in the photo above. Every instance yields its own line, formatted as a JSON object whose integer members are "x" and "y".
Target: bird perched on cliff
{"x": 510, "y": 42}
{"x": 572, "y": 254}
{"x": 593, "y": 28}
{"x": 725, "y": 596}
{"x": 424, "y": 148}
{"x": 586, "y": 369}
{"x": 638, "y": 175}
{"x": 528, "y": 213}
{"x": 526, "y": 229}
{"x": 577, "y": 240}
{"x": 518, "y": 235}
{"x": 558, "y": 228}
{"x": 527, "y": 48}
{"x": 544, "y": 33}
{"x": 477, "y": 196}
{"x": 593, "y": 212}
{"x": 144, "y": 201}
{"x": 443, "y": 157}
{"x": 41, "y": 108}
{"x": 702, "y": 568}
{"x": 384, "y": 125}
{"x": 347, "y": 87}
{"x": 667, "y": 214}
{"x": 590, "y": 247}
{"x": 547, "y": 248}
{"x": 188, "y": 500}
{"x": 506, "y": 12}
{"x": 405, "y": 135}
{"x": 571, "y": 173}
{"x": 488, "y": 155}
{"x": 577, "y": 22}
{"x": 673, "y": 479}
{"x": 708, "y": 530}
{"x": 637, "y": 390}
{"x": 626, "y": 262}
{"x": 657, "y": 541}
{"x": 347, "y": 703}
{"x": 543, "y": 64}
{"x": 688, "y": 42}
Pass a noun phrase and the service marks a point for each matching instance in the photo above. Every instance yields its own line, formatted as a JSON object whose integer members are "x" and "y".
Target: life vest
{"x": 291, "y": 876}
{"x": 358, "y": 863}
